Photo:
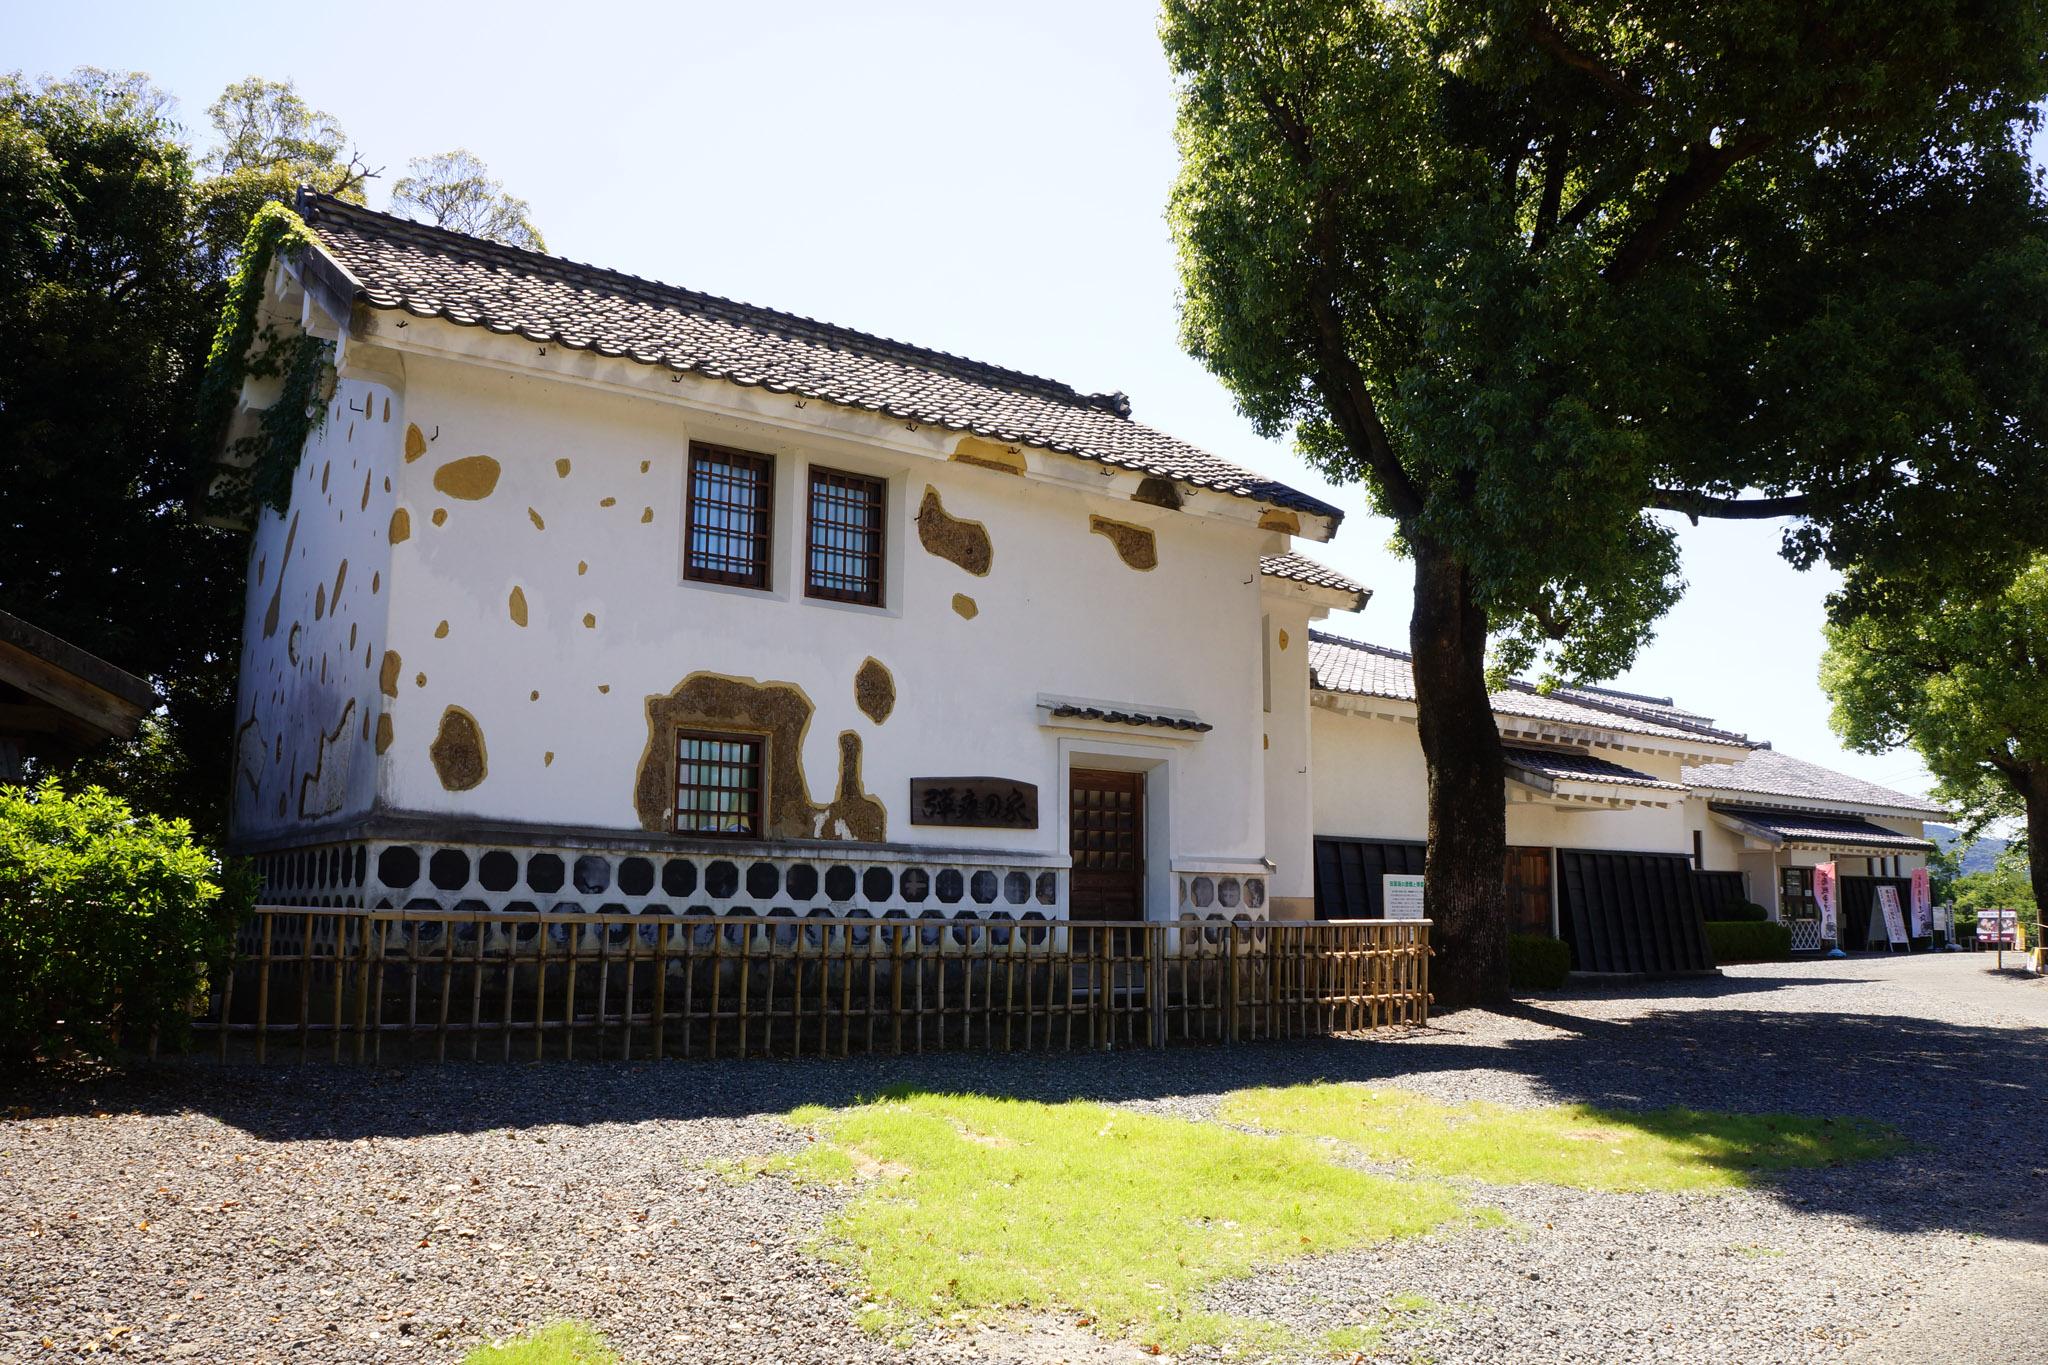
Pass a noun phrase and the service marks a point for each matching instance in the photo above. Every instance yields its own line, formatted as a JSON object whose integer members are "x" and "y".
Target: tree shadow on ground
{"x": 1966, "y": 1097}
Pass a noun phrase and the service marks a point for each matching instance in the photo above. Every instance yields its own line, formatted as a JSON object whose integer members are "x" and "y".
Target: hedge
{"x": 1745, "y": 941}
{"x": 1537, "y": 962}
{"x": 111, "y": 923}
{"x": 1740, "y": 912}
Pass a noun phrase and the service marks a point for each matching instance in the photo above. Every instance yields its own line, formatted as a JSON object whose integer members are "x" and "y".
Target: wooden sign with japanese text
{"x": 983, "y": 802}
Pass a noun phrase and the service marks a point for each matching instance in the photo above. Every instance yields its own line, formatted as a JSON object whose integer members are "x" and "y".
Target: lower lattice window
{"x": 718, "y": 785}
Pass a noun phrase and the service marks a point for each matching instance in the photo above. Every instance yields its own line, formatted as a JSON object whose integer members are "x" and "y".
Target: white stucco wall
{"x": 1290, "y": 818}
{"x": 313, "y": 624}
{"x": 594, "y": 545}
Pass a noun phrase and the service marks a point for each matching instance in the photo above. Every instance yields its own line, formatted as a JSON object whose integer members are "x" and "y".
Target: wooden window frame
{"x": 759, "y": 789}
{"x": 874, "y": 594}
{"x": 695, "y": 519}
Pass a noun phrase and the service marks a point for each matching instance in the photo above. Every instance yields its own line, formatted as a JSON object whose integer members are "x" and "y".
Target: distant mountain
{"x": 1982, "y": 855}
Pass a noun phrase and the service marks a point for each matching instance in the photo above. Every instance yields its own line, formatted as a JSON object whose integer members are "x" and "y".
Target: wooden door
{"x": 1528, "y": 885}
{"x": 1106, "y": 834}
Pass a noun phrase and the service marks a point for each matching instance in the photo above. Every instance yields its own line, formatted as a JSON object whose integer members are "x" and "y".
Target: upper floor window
{"x": 731, "y": 505}
{"x": 843, "y": 561}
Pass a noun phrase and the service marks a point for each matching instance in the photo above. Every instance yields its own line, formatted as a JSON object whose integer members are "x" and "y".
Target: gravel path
{"x": 334, "y": 1214}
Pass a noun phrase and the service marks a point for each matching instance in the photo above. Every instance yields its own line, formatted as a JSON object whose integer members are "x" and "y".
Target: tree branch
{"x": 1544, "y": 32}
{"x": 1694, "y": 505}
{"x": 1553, "y": 191}
{"x": 1706, "y": 166}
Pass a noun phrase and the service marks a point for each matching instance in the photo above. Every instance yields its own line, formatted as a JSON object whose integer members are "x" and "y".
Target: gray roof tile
{"x": 1572, "y": 765}
{"x": 431, "y": 272}
{"x": 1766, "y": 772}
{"x": 1798, "y": 827}
{"x": 1299, "y": 568}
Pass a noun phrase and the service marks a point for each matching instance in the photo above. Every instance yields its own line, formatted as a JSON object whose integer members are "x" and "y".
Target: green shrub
{"x": 1537, "y": 962}
{"x": 111, "y": 924}
{"x": 1739, "y": 912}
{"x": 1745, "y": 941}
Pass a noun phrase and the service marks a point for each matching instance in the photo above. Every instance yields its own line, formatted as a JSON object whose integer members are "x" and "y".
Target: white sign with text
{"x": 1401, "y": 894}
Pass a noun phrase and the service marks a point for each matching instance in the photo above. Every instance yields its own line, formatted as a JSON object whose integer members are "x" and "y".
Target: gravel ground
{"x": 335, "y": 1214}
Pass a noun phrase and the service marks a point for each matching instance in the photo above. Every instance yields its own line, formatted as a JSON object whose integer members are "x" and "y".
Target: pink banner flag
{"x": 1824, "y": 898}
{"x": 1923, "y": 904}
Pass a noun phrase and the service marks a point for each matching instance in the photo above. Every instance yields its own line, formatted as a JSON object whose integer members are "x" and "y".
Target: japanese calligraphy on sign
{"x": 987, "y": 802}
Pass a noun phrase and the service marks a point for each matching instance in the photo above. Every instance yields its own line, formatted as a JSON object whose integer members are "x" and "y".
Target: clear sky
{"x": 990, "y": 180}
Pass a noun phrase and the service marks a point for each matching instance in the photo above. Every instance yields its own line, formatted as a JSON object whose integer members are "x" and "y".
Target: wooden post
{"x": 746, "y": 968}
{"x": 661, "y": 937}
{"x": 306, "y": 989}
{"x": 262, "y": 995}
{"x": 569, "y": 997}
{"x": 540, "y": 988}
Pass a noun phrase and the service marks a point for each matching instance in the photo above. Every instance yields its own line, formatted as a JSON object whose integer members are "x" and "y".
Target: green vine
{"x": 261, "y": 464}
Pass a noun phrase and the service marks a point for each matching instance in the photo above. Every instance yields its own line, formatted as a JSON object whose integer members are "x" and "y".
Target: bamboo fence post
{"x": 362, "y": 975}
{"x": 689, "y": 986}
{"x": 661, "y": 945}
{"x": 340, "y": 956}
{"x": 540, "y": 989}
{"x": 746, "y": 970}
{"x": 896, "y": 990}
{"x": 717, "y": 988}
{"x": 604, "y": 986}
{"x": 227, "y": 1006}
{"x": 412, "y": 987}
{"x": 569, "y": 997}
{"x": 262, "y": 997}
{"x": 306, "y": 988}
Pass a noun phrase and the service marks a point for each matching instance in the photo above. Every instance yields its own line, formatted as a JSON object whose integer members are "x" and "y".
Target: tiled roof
{"x": 1845, "y": 831}
{"x": 1071, "y": 711}
{"x": 1766, "y": 772}
{"x": 1572, "y": 765}
{"x": 1340, "y": 665}
{"x": 1298, "y": 568}
{"x": 430, "y": 272}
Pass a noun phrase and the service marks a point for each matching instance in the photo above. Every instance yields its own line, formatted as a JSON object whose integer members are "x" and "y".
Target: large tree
{"x": 456, "y": 190}
{"x": 1961, "y": 675}
{"x": 1531, "y": 273}
{"x": 106, "y": 308}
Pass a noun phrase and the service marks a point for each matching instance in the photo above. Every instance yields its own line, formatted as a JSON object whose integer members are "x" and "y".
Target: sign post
{"x": 1888, "y": 921}
{"x": 1825, "y": 890}
{"x": 1401, "y": 895}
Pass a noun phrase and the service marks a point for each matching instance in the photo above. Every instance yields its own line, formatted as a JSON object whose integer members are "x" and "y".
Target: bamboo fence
{"x": 382, "y": 985}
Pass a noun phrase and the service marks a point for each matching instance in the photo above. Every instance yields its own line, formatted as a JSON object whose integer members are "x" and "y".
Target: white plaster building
{"x": 593, "y": 592}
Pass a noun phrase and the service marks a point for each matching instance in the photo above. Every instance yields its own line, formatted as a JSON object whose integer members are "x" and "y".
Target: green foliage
{"x": 982, "y": 1206}
{"x": 1960, "y": 673}
{"x": 1739, "y": 911}
{"x": 2006, "y": 887}
{"x": 455, "y": 190}
{"x": 110, "y": 924}
{"x": 1564, "y": 1144}
{"x": 1748, "y": 941}
{"x": 243, "y": 346}
{"x": 106, "y": 306}
{"x": 559, "y": 1343}
{"x": 1538, "y": 962}
{"x": 270, "y": 142}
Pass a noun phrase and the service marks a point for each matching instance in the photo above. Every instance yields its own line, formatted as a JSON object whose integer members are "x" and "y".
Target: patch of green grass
{"x": 559, "y": 1343}
{"x": 1570, "y": 1144}
{"x": 818, "y": 1164}
{"x": 1399, "y": 1312}
{"x": 1352, "y": 1340}
{"x": 980, "y": 1207}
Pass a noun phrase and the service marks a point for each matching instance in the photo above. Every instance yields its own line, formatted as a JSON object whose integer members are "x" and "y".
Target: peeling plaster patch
{"x": 874, "y": 690}
{"x": 782, "y": 713}
{"x": 534, "y": 517}
{"x": 367, "y": 476}
{"x": 387, "y": 677}
{"x": 291, "y": 644}
{"x": 384, "y": 733}
{"x": 319, "y": 600}
{"x": 964, "y": 542}
{"x": 248, "y": 747}
{"x": 646, "y": 515}
{"x": 441, "y": 631}
{"x": 262, "y": 566}
{"x": 415, "y": 442}
{"x": 534, "y": 695}
{"x": 646, "y": 465}
{"x": 401, "y": 526}
{"x": 1283, "y": 641}
{"x": 589, "y": 620}
{"x": 582, "y": 567}
{"x": 325, "y": 470}
{"x": 1135, "y": 545}
{"x": 517, "y": 607}
{"x": 340, "y": 577}
{"x": 277, "y": 593}
{"x": 975, "y": 450}
{"x": 561, "y": 469}
{"x": 376, "y": 581}
{"x": 547, "y": 760}
{"x": 604, "y": 687}
{"x": 440, "y": 516}
{"x": 387, "y": 407}
{"x": 366, "y": 727}
{"x": 458, "y": 751}
{"x": 965, "y": 606}
{"x": 320, "y": 792}
{"x": 1159, "y": 493}
{"x": 351, "y": 637}
{"x": 607, "y": 502}
{"x": 1278, "y": 519}
{"x": 419, "y": 680}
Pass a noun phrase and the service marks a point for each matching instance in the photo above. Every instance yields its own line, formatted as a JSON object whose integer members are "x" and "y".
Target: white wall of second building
{"x": 583, "y": 520}
{"x": 1290, "y": 812}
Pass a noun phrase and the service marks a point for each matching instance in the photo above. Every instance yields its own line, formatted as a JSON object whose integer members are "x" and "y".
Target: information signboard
{"x": 1887, "y": 920}
{"x": 1401, "y": 894}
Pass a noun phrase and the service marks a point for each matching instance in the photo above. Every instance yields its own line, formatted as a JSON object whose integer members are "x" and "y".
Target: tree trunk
{"x": 1468, "y": 830}
{"x": 2034, "y": 794}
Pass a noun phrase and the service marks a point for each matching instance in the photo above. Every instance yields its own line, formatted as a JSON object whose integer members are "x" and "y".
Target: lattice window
{"x": 718, "y": 785}
{"x": 732, "y": 499}
{"x": 844, "y": 562}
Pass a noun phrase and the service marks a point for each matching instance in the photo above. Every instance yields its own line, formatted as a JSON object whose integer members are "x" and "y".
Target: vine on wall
{"x": 262, "y": 462}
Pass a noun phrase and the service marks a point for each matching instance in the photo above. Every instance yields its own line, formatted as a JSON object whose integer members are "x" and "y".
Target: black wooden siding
{"x": 1718, "y": 890}
{"x": 1348, "y": 873}
{"x": 1632, "y": 912}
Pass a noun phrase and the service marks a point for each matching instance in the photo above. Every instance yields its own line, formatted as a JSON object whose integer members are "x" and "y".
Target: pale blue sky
{"x": 987, "y": 180}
